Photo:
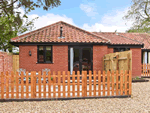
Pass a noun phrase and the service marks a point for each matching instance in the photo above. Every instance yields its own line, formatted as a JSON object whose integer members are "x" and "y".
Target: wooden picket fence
{"x": 61, "y": 85}
{"x": 145, "y": 70}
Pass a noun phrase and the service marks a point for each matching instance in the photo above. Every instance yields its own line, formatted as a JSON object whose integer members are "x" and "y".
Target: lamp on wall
{"x": 30, "y": 53}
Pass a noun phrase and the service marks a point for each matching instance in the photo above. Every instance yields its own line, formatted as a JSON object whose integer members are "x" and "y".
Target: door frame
{"x": 80, "y": 55}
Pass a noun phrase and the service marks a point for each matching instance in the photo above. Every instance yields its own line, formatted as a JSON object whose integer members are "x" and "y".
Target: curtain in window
{"x": 144, "y": 57}
{"x": 71, "y": 60}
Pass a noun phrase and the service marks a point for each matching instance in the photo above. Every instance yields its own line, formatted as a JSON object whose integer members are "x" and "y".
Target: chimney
{"x": 61, "y": 31}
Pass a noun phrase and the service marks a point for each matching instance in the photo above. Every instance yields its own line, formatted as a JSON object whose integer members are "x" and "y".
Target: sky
{"x": 90, "y": 15}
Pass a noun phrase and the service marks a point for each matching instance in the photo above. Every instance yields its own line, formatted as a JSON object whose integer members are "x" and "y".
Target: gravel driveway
{"x": 138, "y": 103}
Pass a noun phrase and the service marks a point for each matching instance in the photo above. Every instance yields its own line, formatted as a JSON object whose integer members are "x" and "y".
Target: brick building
{"x": 64, "y": 47}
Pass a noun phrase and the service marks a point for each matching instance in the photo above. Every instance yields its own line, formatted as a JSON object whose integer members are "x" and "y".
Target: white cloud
{"x": 110, "y": 23}
{"x": 89, "y": 9}
{"x": 48, "y": 19}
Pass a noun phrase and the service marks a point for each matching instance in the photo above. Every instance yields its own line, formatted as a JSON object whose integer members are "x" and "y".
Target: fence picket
{"x": 17, "y": 85}
{"x": 22, "y": 83}
{"x": 121, "y": 82}
{"x": 99, "y": 83}
{"x": 64, "y": 84}
{"x": 12, "y": 85}
{"x": 126, "y": 82}
{"x": 2, "y": 85}
{"x": 49, "y": 84}
{"x": 78, "y": 84}
{"x": 112, "y": 83}
{"x": 117, "y": 83}
{"x": 39, "y": 82}
{"x": 68, "y": 83}
{"x": 34, "y": 84}
{"x": 54, "y": 84}
{"x": 108, "y": 83}
{"x": 85, "y": 83}
{"x": 27, "y": 85}
{"x": 59, "y": 78}
{"x": 32, "y": 81}
{"x": 44, "y": 85}
{"x": 7, "y": 85}
{"x": 94, "y": 83}
{"x": 90, "y": 83}
{"x": 103, "y": 83}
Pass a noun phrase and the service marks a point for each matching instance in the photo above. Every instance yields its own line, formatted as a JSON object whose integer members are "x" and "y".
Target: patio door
{"x": 80, "y": 58}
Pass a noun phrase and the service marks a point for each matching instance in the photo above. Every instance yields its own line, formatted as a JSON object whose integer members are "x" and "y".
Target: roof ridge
{"x": 129, "y": 38}
{"x": 87, "y": 31}
{"x": 56, "y": 23}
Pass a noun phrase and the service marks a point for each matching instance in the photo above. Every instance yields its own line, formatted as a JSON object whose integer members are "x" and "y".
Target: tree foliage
{"x": 140, "y": 13}
{"x": 14, "y": 22}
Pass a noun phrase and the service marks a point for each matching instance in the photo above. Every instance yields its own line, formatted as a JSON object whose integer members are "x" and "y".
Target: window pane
{"x": 41, "y": 54}
{"x": 48, "y": 54}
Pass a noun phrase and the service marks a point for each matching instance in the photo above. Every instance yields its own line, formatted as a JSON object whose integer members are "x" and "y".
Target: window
{"x": 121, "y": 49}
{"x": 44, "y": 54}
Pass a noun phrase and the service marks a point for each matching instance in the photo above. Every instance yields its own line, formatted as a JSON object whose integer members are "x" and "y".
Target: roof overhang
{"x": 55, "y": 43}
{"x": 77, "y": 43}
{"x": 125, "y": 46}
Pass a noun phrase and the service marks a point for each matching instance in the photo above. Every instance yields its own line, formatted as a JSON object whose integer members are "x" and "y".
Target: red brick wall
{"x": 136, "y": 61}
{"x": 60, "y": 59}
{"x": 110, "y": 50}
{"x": 98, "y": 52}
{"x": 6, "y": 62}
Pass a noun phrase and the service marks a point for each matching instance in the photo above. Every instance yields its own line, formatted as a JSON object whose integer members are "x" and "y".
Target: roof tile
{"x": 52, "y": 32}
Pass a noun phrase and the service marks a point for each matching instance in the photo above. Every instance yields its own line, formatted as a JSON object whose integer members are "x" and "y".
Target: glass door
{"x": 86, "y": 59}
{"x": 80, "y": 59}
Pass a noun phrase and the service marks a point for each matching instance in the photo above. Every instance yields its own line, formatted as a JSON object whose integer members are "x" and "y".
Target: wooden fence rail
{"x": 145, "y": 70}
{"x": 62, "y": 85}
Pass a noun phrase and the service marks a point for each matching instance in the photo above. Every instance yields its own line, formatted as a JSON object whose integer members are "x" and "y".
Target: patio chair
{"x": 21, "y": 70}
{"x": 45, "y": 70}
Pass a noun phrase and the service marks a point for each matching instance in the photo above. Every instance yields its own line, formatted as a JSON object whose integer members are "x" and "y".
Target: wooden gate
{"x": 15, "y": 63}
{"x": 118, "y": 61}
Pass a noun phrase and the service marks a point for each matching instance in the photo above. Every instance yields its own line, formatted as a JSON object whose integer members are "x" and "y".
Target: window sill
{"x": 44, "y": 63}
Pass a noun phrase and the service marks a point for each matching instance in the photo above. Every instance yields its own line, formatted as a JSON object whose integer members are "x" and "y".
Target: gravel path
{"x": 138, "y": 103}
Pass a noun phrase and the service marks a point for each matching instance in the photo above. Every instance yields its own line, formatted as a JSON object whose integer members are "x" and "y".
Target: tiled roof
{"x": 141, "y": 37}
{"x": 116, "y": 38}
{"x": 52, "y": 32}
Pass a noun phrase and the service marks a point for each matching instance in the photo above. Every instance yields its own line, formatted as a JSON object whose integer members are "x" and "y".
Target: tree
{"x": 139, "y": 12}
{"x": 13, "y": 22}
